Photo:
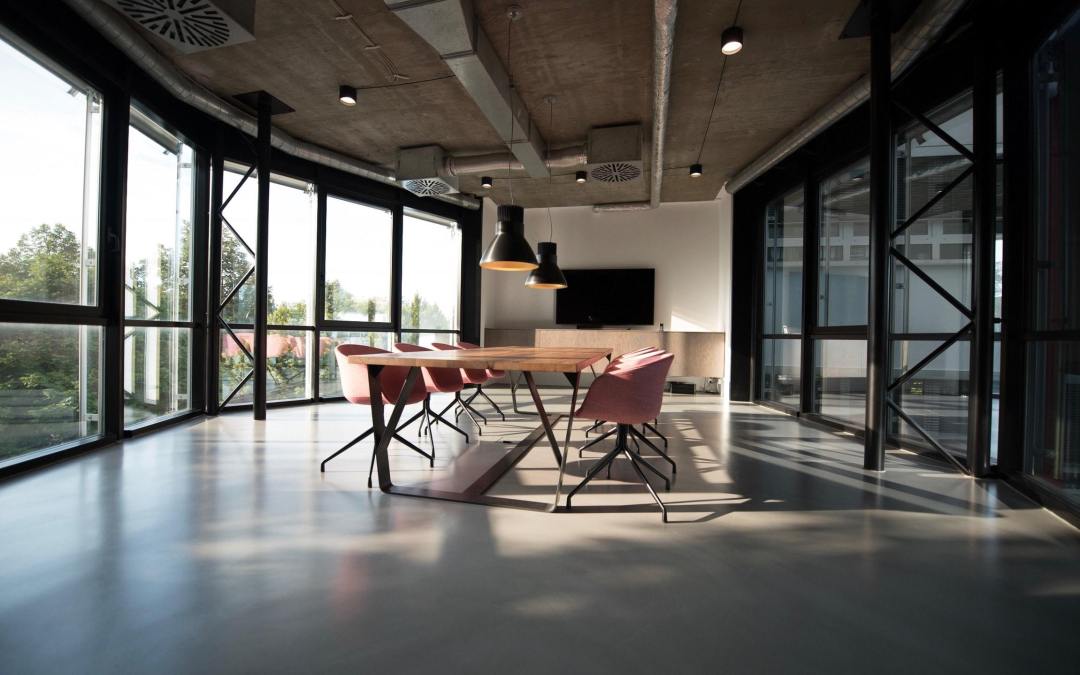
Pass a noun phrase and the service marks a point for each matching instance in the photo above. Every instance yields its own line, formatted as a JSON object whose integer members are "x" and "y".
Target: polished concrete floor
{"x": 218, "y": 546}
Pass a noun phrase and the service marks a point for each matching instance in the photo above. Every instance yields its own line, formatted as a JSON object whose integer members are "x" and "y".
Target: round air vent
{"x": 616, "y": 172}
{"x": 426, "y": 187}
{"x": 195, "y": 23}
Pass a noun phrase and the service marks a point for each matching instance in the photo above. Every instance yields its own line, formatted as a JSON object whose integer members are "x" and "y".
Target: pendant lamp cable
{"x": 716, "y": 96}
{"x": 551, "y": 117}
{"x": 510, "y": 86}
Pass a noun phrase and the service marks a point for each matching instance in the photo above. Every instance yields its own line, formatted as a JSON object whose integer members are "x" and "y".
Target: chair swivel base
{"x": 636, "y": 461}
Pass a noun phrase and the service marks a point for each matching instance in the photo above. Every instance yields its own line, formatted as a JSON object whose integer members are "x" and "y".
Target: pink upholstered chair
{"x": 629, "y": 394}
{"x": 438, "y": 380}
{"x": 354, "y": 386}
{"x": 619, "y": 362}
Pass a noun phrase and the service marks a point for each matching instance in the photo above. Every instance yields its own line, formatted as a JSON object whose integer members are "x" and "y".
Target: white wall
{"x": 688, "y": 243}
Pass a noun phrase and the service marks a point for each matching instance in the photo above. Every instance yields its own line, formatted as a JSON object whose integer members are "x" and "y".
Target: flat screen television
{"x": 618, "y": 297}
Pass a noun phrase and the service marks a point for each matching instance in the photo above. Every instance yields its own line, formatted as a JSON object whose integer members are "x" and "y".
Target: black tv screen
{"x": 620, "y": 297}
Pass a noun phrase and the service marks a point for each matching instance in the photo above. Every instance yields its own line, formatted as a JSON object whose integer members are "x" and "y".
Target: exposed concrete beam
{"x": 450, "y": 27}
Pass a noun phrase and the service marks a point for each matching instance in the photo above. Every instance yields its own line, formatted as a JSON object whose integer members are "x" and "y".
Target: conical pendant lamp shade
{"x": 548, "y": 274}
{"x": 509, "y": 251}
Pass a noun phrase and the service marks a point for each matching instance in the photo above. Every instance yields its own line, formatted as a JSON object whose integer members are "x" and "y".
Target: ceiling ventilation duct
{"x": 193, "y": 25}
{"x": 615, "y": 153}
{"x": 419, "y": 169}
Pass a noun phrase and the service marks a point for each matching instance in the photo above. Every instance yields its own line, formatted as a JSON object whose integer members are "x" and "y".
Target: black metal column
{"x": 811, "y": 266}
{"x": 213, "y": 277}
{"x": 984, "y": 122}
{"x": 201, "y": 315}
{"x": 262, "y": 166}
{"x": 114, "y": 143}
{"x": 881, "y": 160}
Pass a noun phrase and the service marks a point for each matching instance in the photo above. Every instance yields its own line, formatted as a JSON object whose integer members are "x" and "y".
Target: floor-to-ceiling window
{"x": 1052, "y": 429}
{"x": 933, "y": 278}
{"x": 50, "y": 367}
{"x": 843, "y": 273}
{"x": 430, "y": 279}
{"x": 158, "y": 274}
{"x": 781, "y": 373}
{"x": 358, "y": 283}
{"x": 291, "y": 281}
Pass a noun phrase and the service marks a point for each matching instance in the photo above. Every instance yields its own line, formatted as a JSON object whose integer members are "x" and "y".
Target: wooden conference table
{"x": 569, "y": 361}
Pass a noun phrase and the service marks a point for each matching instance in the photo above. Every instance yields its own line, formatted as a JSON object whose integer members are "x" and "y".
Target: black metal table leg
{"x": 384, "y": 430}
{"x": 575, "y": 379}
{"x": 548, "y": 431}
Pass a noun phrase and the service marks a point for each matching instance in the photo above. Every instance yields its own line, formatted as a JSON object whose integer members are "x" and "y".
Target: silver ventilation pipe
{"x": 925, "y": 25}
{"x": 664, "y": 12}
{"x": 122, "y": 35}
{"x": 496, "y": 164}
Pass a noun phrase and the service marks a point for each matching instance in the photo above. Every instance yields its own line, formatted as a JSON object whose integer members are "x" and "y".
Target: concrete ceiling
{"x": 595, "y": 56}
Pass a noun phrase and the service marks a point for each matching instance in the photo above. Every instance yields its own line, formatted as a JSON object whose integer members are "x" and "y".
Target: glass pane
{"x": 293, "y": 215}
{"x": 940, "y": 240}
{"x": 936, "y": 398}
{"x": 288, "y": 374}
{"x": 426, "y": 339}
{"x": 161, "y": 171}
{"x": 845, "y": 223}
{"x": 50, "y": 386}
{"x": 234, "y": 366}
{"x": 236, "y": 260}
{"x": 1056, "y": 299}
{"x": 157, "y": 372}
{"x": 781, "y": 371}
{"x": 783, "y": 264}
{"x": 288, "y": 366}
{"x": 431, "y": 270}
{"x": 359, "y": 254}
{"x": 50, "y": 133}
{"x": 329, "y": 384}
{"x": 1052, "y": 446}
{"x": 840, "y": 379}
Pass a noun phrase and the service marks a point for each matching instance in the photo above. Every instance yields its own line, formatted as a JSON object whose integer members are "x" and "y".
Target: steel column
{"x": 984, "y": 121}
{"x": 881, "y": 161}
{"x": 213, "y": 277}
{"x": 811, "y": 267}
{"x": 262, "y": 167}
{"x": 114, "y": 221}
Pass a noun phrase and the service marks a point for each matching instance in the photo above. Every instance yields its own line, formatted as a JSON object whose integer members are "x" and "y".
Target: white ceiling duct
{"x": 121, "y": 34}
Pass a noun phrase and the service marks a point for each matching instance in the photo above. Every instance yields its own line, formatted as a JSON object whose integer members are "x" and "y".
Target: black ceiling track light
{"x": 486, "y": 182}
{"x": 696, "y": 171}
{"x": 509, "y": 251}
{"x": 731, "y": 40}
{"x": 581, "y": 176}
{"x": 347, "y": 95}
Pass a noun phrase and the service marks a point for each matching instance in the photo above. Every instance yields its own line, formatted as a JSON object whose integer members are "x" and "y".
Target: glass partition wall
{"x": 814, "y": 308}
{"x": 126, "y": 304}
{"x": 51, "y": 338}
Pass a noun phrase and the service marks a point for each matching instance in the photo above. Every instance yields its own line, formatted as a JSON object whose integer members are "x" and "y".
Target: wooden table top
{"x": 531, "y": 359}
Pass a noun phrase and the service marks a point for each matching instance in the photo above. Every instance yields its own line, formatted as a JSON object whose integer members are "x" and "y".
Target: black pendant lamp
{"x": 548, "y": 274}
{"x": 509, "y": 251}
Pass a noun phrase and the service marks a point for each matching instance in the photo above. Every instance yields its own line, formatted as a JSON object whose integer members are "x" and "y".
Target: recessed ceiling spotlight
{"x": 695, "y": 171}
{"x": 485, "y": 182}
{"x": 731, "y": 41}
{"x": 347, "y": 95}
{"x": 581, "y": 177}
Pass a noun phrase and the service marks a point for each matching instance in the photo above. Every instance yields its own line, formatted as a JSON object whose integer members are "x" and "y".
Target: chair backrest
{"x": 354, "y": 377}
{"x": 436, "y": 379}
{"x": 632, "y": 393}
{"x": 621, "y": 359}
{"x": 469, "y": 375}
